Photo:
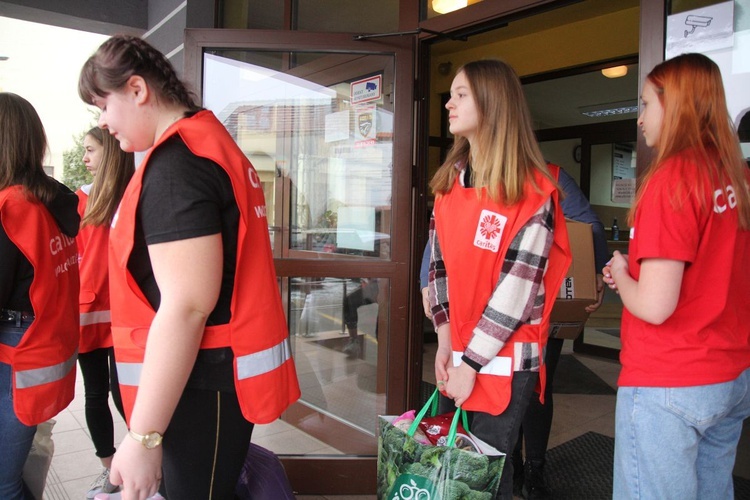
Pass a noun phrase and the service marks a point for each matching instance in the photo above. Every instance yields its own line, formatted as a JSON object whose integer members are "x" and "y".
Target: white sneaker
{"x": 101, "y": 485}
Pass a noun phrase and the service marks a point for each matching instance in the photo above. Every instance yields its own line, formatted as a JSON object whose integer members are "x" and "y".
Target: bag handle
{"x": 431, "y": 405}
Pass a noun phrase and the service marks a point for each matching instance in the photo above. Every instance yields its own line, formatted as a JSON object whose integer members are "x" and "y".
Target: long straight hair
{"x": 23, "y": 145}
{"x": 696, "y": 118}
{"x": 505, "y": 153}
{"x": 115, "y": 170}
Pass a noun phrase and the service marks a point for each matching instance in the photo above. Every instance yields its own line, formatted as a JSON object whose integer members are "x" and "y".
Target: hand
{"x": 460, "y": 383}
{"x": 599, "y": 294}
{"x": 426, "y": 303}
{"x": 617, "y": 264}
{"x": 137, "y": 469}
{"x": 443, "y": 360}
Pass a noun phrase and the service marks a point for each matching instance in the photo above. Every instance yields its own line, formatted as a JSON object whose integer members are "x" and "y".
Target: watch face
{"x": 152, "y": 440}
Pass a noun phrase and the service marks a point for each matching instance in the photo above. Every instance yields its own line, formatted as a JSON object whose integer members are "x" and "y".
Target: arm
{"x": 438, "y": 304}
{"x": 653, "y": 298}
{"x": 438, "y": 281}
{"x": 424, "y": 280}
{"x": 513, "y": 303}
{"x": 187, "y": 298}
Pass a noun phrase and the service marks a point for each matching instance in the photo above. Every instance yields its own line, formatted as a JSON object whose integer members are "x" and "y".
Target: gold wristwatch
{"x": 150, "y": 440}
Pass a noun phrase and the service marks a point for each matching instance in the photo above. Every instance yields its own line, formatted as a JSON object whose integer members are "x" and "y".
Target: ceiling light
{"x": 610, "y": 109}
{"x": 445, "y": 6}
{"x": 615, "y": 71}
{"x": 3, "y": 58}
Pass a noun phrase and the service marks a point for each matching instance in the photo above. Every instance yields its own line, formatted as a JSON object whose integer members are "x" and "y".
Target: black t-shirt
{"x": 184, "y": 196}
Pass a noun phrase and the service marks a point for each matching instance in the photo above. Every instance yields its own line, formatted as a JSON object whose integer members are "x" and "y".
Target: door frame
{"x": 353, "y": 474}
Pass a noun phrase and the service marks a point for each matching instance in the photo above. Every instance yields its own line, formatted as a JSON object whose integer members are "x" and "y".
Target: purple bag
{"x": 263, "y": 477}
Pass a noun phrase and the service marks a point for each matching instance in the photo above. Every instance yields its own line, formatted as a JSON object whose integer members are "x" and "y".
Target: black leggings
{"x": 537, "y": 422}
{"x": 99, "y": 376}
{"x": 501, "y": 430}
{"x": 205, "y": 446}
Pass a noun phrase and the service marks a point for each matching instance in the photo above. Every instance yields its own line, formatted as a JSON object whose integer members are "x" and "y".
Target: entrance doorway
{"x": 583, "y": 119}
{"x": 319, "y": 115}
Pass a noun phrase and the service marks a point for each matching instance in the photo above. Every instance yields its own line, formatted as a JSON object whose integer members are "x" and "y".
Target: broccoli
{"x": 471, "y": 468}
{"x": 495, "y": 469}
{"x": 419, "y": 469}
{"x": 453, "y": 490}
{"x": 477, "y": 495}
{"x": 412, "y": 451}
{"x": 432, "y": 457}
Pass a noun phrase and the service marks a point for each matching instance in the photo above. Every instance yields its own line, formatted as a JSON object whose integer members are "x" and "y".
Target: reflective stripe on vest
{"x": 504, "y": 365}
{"x": 95, "y": 317}
{"x": 499, "y": 365}
{"x": 250, "y": 365}
{"x": 38, "y": 376}
{"x": 258, "y": 363}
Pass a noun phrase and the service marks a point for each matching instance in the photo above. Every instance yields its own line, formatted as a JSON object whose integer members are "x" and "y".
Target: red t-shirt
{"x": 707, "y": 338}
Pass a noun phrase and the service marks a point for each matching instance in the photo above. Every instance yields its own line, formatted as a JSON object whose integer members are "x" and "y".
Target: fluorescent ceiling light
{"x": 445, "y": 6}
{"x": 610, "y": 109}
{"x": 615, "y": 71}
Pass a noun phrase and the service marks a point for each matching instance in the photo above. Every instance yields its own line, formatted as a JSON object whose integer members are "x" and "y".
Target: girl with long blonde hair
{"x": 112, "y": 169}
{"x": 499, "y": 251}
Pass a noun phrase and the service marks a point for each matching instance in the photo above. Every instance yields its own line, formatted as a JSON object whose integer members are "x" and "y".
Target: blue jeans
{"x": 679, "y": 443}
{"x": 15, "y": 437}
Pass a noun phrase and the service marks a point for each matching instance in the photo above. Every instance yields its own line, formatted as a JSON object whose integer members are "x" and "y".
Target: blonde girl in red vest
{"x": 38, "y": 290}
{"x": 499, "y": 251}
{"x": 684, "y": 387}
{"x": 199, "y": 333}
{"x": 112, "y": 168}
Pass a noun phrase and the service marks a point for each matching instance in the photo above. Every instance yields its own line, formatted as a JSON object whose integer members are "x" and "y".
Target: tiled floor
{"x": 74, "y": 465}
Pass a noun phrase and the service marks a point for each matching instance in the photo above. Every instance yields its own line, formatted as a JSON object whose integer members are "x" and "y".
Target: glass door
{"x": 326, "y": 121}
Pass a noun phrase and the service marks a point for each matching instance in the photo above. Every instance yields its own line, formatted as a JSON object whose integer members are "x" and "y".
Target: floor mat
{"x": 582, "y": 469}
{"x": 573, "y": 377}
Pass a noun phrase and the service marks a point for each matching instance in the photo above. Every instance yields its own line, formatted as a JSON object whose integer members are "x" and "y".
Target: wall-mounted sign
{"x": 369, "y": 89}
{"x": 700, "y": 30}
{"x": 365, "y": 128}
{"x": 623, "y": 174}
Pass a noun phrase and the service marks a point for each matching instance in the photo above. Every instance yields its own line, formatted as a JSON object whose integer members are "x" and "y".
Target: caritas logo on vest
{"x": 490, "y": 230}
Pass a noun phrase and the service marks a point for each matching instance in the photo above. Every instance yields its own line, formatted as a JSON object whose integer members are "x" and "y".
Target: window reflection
{"x": 330, "y": 155}
{"x": 338, "y": 329}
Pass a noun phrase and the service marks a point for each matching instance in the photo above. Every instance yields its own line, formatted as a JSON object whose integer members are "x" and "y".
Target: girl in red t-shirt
{"x": 684, "y": 388}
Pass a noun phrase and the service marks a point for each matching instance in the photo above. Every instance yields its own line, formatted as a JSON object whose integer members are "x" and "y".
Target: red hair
{"x": 691, "y": 93}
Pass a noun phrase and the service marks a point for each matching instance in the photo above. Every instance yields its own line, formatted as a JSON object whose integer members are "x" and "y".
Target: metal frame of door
{"x": 348, "y": 474}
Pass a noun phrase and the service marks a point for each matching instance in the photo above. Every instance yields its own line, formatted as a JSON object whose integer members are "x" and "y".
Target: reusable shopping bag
{"x": 408, "y": 469}
{"x": 263, "y": 477}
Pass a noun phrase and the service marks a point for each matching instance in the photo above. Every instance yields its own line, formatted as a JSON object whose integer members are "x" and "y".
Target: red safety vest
{"x": 265, "y": 376}
{"x": 43, "y": 363}
{"x": 474, "y": 235}
{"x": 93, "y": 241}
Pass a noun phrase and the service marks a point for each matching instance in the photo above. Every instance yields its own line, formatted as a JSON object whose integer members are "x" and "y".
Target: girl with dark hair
{"x": 199, "y": 332}
{"x": 499, "y": 250}
{"x": 38, "y": 290}
{"x": 112, "y": 168}
{"x": 684, "y": 387}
